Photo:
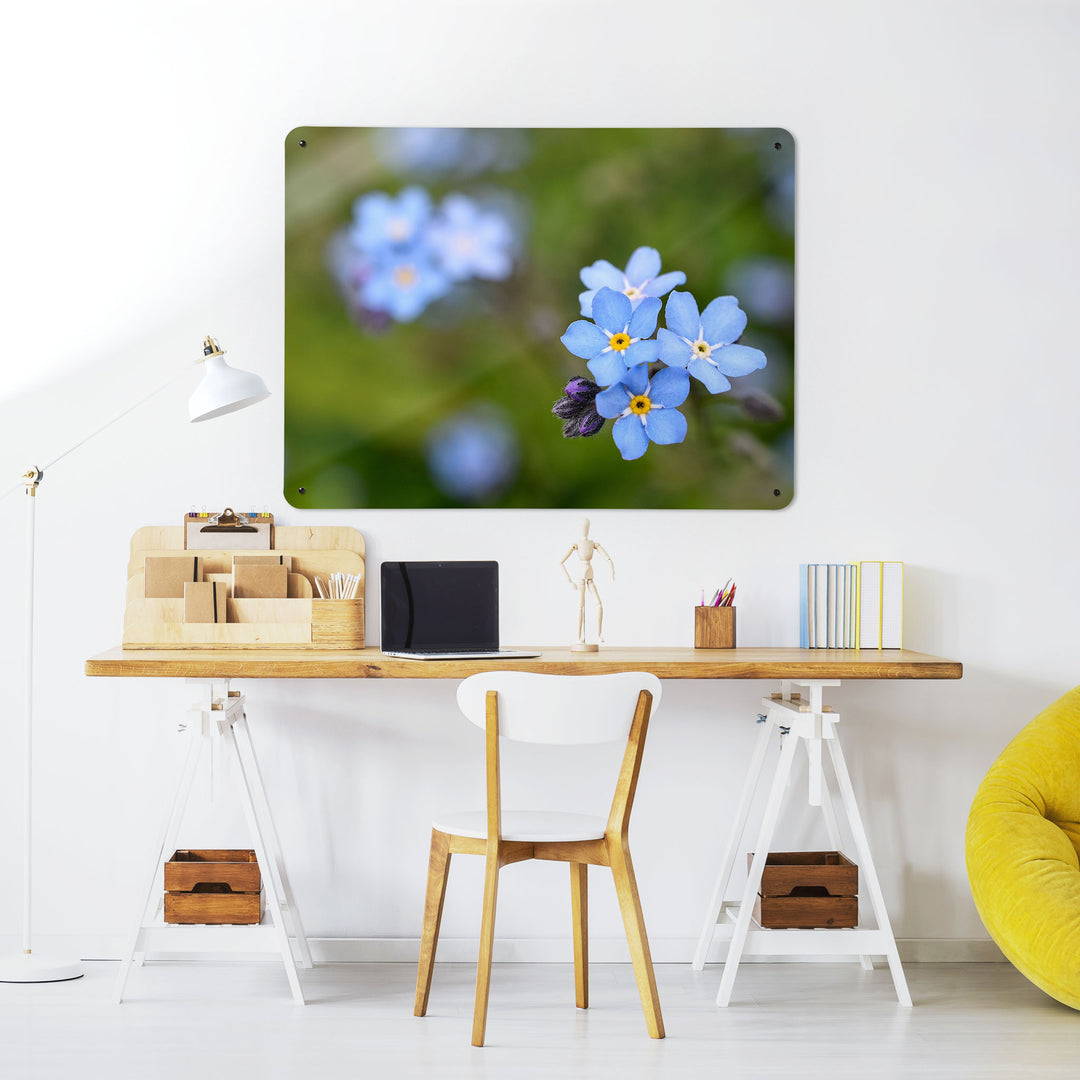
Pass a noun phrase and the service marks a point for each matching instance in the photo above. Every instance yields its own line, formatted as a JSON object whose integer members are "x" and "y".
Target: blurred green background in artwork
{"x": 427, "y": 379}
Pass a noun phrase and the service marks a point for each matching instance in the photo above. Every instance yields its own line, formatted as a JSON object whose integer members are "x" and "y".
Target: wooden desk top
{"x": 665, "y": 663}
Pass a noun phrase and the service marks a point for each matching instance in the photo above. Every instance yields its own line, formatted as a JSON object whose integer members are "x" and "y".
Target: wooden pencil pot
{"x": 714, "y": 627}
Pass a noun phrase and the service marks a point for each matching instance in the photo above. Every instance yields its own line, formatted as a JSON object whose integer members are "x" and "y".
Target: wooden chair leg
{"x": 634, "y": 922}
{"x": 438, "y": 870}
{"x": 579, "y": 904}
{"x": 487, "y": 943}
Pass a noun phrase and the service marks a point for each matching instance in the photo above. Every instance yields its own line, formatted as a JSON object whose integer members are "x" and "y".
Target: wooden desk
{"x": 795, "y": 719}
{"x": 665, "y": 663}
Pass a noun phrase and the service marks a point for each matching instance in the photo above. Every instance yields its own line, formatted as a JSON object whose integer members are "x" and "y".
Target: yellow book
{"x": 892, "y": 605}
{"x": 870, "y": 605}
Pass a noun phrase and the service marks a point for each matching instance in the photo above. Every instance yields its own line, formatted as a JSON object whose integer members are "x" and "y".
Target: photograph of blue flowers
{"x": 582, "y": 318}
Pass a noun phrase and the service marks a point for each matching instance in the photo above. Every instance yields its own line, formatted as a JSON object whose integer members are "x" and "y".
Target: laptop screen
{"x": 440, "y": 606}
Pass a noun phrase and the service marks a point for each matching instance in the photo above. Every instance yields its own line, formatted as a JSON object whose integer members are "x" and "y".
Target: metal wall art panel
{"x": 582, "y": 318}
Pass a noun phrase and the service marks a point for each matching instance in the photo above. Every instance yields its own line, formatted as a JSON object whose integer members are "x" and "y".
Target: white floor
{"x": 235, "y": 1021}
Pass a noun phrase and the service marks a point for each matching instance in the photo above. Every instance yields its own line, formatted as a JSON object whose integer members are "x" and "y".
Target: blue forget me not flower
{"x": 616, "y": 340}
{"x": 645, "y": 410}
{"x": 703, "y": 344}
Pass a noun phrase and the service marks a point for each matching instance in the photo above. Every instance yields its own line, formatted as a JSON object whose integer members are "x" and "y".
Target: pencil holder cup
{"x": 714, "y": 627}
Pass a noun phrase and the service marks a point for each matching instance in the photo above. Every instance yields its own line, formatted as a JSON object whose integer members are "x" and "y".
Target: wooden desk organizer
{"x": 302, "y": 621}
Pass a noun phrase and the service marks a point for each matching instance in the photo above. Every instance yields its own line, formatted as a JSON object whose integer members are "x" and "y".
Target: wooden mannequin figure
{"x": 584, "y": 547}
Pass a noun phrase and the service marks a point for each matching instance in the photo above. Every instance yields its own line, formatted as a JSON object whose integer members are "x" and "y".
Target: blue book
{"x": 804, "y": 606}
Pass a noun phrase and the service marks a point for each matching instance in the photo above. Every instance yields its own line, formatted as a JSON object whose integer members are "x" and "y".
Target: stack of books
{"x": 851, "y": 605}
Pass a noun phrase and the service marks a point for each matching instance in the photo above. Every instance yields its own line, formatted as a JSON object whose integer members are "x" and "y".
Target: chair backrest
{"x": 565, "y": 710}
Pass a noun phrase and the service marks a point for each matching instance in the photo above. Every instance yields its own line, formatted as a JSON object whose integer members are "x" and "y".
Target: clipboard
{"x": 228, "y": 531}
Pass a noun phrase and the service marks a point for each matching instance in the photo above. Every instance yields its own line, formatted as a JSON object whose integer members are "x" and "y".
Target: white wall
{"x": 937, "y": 389}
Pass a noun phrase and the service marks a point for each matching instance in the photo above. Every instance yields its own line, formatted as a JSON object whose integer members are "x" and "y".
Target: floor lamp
{"x": 223, "y": 389}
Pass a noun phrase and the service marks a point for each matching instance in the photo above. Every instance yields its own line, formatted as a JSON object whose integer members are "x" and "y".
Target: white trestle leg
{"x": 220, "y": 716}
{"x": 795, "y": 720}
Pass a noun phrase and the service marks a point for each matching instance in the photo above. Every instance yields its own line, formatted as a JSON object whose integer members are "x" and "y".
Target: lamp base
{"x": 28, "y": 968}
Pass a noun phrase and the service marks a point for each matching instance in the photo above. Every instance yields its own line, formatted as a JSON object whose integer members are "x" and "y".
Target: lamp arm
{"x": 119, "y": 416}
{"x": 26, "y": 479}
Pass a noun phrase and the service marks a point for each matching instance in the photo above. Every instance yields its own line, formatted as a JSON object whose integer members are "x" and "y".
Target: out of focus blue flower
{"x": 645, "y": 410}
{"x": 703, "y": 343}
{"x": 449, "y": 151}
{"x": 766, "y": 286}
{"x": 474, "y": 455}
{"x": 422, "y": 149}
{"x": 350, "y": 269}
{"x": 615, "y": 340}
{"x": 780, "y": 202}
{"x": 384, "y": 222}
{"x": 469, "y": 241}
{"x": 640, "y": 279}
{"x": 403, "y": 284}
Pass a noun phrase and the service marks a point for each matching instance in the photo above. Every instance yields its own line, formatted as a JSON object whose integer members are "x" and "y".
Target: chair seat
{"x": 529, "y": 826}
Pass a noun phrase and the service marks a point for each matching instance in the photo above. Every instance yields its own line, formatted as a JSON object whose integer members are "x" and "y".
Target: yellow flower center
{"x": 702, "y": 349}
{"x": 619, "y": 341}
{"x": 633, "y": 292}
{"x": 405, "y": 276}
{"x": 640, "y": 404}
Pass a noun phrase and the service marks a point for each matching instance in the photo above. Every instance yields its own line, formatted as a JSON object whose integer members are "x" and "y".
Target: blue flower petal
{"x": 636, "y": 380}
{"x": 600, "y": 275}
{"x": 723, "y": 321}
{"x": 584, "y": 339}
{"x": 415, "y": 202}
{"x": 681, "y": 315}
{"x": 665, "y": 426}
{"x": 607, "y": 368}
{"x": 669, "y": 387}
{"x": 738, "y": 359}
{"x": 630, "y": 437}
{"x": 709, "y": 375}
{"x": 673, "y": 349}
{"x": 611, "y": 310}
{"x": 585, "y": 300}
{"x": 611, "y": 402}
{"x": 641, "y": 352}
{"x": 643, "y": 321}
{"x": 643, "y": 266}
{"x": 665, "y": 283}
{"x": 372, "y": 206}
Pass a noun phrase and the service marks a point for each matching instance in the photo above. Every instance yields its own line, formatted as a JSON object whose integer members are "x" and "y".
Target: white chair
{"x": 565, "y": 710}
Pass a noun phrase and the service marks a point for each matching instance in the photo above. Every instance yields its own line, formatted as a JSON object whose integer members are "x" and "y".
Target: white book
{"x": 841, "y": 606}
{"x": 892, "y": 605}
{"x": 811, "y": 604}
{"x": 869, "y": 605}
{"x": 821, "y": 621}
{"x": 853, "y": 601}
{"x": 831, "y": 635}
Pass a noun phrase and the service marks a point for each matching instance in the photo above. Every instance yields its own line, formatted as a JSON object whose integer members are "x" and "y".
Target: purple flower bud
{"x": 580, "y": 389}
{"x": 578, "y": 408}
{"x": 590, "y": 424}
{"x": 565, "y": 408}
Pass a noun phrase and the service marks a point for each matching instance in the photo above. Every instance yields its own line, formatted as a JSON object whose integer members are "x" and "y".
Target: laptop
{"x": 442, "y": 611}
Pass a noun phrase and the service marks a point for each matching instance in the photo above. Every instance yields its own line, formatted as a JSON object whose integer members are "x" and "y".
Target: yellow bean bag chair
{"x": 1023, "y": 840}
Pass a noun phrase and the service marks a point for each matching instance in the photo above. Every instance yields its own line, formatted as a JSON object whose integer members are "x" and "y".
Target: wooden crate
{"x": 807, "y": 890}
{"x": 214, "y": 886}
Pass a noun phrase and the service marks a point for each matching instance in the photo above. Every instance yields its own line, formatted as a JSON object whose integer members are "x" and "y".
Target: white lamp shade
{"x": 223, "y": 390}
